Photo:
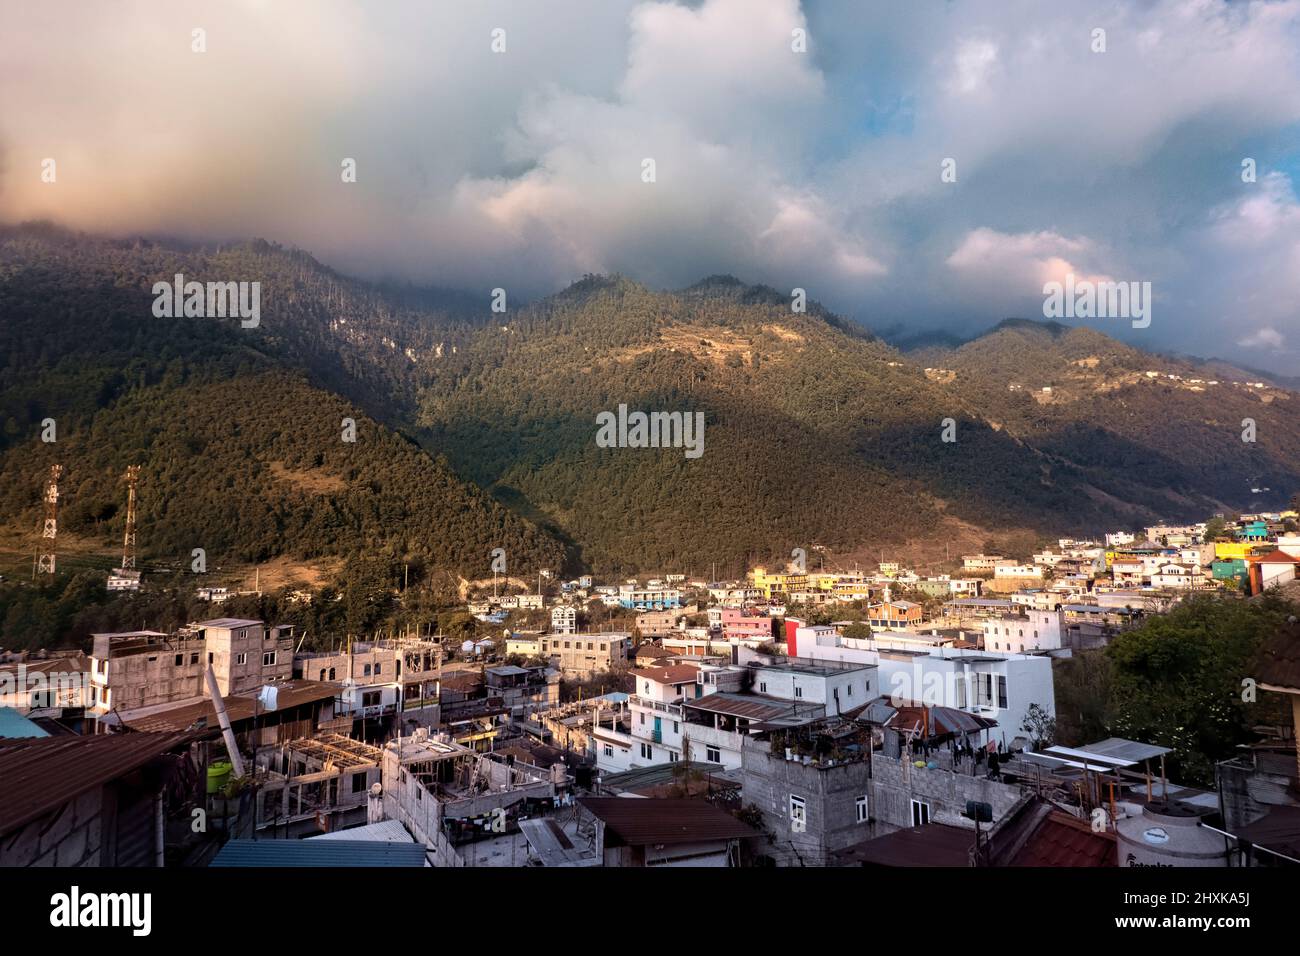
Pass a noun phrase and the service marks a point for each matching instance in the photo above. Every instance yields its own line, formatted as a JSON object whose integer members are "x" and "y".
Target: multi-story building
{"x": 704, "y": 712}
{"x": 1001, "y": 686}
{"x": 381, "y": 679}
{"x": 582, "y": 655}
{"x": 649, "y": 598}
{"x": 564, "y": 619}
{"x": 735, "y": 625}
{"x": 1027, "y": 632}
{"x": 138, "y": 669}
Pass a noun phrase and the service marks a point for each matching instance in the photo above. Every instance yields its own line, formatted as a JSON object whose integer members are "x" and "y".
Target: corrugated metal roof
{"x": 742, "y": 705}
{"x": 289, "y": 694}
{"x": 640, "y": 822}
{"x": 1122, "y": 749}
{"x": 386, "y": 831}
{"x": 42, "y": 774}
{"x": 324, "y": 853}
{"x": 656, "y": 774}
{"x": 935, "y": 844}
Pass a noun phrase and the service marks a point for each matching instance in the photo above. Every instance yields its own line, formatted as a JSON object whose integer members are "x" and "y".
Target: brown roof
{"x": 676, "y": 674}
{"x": 653, "y": 651}
{"x": 1063, "y": 840}
{"x": 291, "y": 693}
{"x": 41, "y": 774}
{"x": 935, "y": 844}
{"x": 1277, "y": 663}
{"x": 639, "y": 822}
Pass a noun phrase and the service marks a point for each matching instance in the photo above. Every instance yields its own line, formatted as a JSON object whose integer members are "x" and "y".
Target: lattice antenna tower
{"x": 50, "y": 527}
{"x": 131, "y": 477}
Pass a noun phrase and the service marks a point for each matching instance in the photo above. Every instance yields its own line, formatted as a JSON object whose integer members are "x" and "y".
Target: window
{"x": 609, "y": 751}
{"x": 370, "y": 698}
{"x": 920, "y": 813}
{"x": 713, "y": 755}
{"x": 268, "y": 659}
{"x": 850, "y": 690}
{"x": 762, "y": 687}
{"x": 194, "y": 658}
{"x": 331, "y": 673}
{"x": 798, "y": 692}
{"x": 647, "y": 752}
{"x": 241, "y": 658}
{"x": 180, "y": 659}
{"x": 1002, "y": 691}
{"x": 676, "y": 727}
{"x": 643, "y": 718}
{"x": 798, "y": 814}
{"x": 591, "y": 646}
{"x": 210, "y": 657}
{"x": 358, "y": 782}
{"x": 861, "y": 804}
{"x": 322, "y": 674}
{"x": 672, "y": 757}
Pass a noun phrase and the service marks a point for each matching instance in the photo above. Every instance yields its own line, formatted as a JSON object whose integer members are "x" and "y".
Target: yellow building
{"x": 778, "y": 582}
{"x": 1233, "y": 550}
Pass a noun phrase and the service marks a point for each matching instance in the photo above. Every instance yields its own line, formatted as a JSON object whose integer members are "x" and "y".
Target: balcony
{"x": 673, "y": 710}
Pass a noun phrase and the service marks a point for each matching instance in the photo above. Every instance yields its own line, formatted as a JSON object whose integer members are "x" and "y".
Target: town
{"x": 790, "y": 718}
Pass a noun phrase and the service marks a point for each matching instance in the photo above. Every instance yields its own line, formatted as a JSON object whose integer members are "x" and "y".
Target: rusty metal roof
{"x": 749, "y": 706}
{"x": 42, "y": 774}
{"x": 641, "y": 822}
{"x": 290, "y": 693}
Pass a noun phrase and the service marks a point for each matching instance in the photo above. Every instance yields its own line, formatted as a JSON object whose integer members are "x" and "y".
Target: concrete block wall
{"x": 70, "y": 836}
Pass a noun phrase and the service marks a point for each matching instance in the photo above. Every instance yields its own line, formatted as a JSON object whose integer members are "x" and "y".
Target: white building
{"x": 1034, "y": 630}
{"x": 564, "y": 619}
{"x": 708, "y": 709}
{"x": 997, "y": 685}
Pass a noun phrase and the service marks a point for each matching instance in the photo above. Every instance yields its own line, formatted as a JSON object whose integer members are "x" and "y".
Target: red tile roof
{"x": 1063, "y": 840}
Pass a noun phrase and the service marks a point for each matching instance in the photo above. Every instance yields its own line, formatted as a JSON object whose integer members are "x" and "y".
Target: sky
{"x": 796, "y": 144}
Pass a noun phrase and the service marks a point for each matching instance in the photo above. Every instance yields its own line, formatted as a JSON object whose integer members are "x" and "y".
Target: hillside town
{"x": 790, "y": 718}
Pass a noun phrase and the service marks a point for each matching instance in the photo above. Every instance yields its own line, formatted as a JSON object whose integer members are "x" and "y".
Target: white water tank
{"x": 1168, "y": 836}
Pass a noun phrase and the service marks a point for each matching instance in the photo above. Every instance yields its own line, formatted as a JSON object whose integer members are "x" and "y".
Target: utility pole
{"x": 50, "y": 527}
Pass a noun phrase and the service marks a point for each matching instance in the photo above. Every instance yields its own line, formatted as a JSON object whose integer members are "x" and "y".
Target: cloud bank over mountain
{"x": 819, "y": 169}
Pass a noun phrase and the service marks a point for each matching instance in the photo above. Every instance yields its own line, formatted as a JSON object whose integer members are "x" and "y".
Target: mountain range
{"x": 476, "y": 429}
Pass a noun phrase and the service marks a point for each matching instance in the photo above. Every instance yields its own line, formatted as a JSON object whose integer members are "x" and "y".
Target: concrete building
{"x": 582, "y": 655}
{"x": 564, "y": 619}
{"x": 1034, "y": 630}
{"x": 142, "y": 669}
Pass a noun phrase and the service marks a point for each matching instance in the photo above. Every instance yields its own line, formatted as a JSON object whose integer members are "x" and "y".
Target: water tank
{"x": 1168, "y": 836}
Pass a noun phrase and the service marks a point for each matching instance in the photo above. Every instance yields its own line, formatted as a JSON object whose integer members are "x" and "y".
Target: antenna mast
{"x": 128, "y": 540}
{"x": 50, "y": 529}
